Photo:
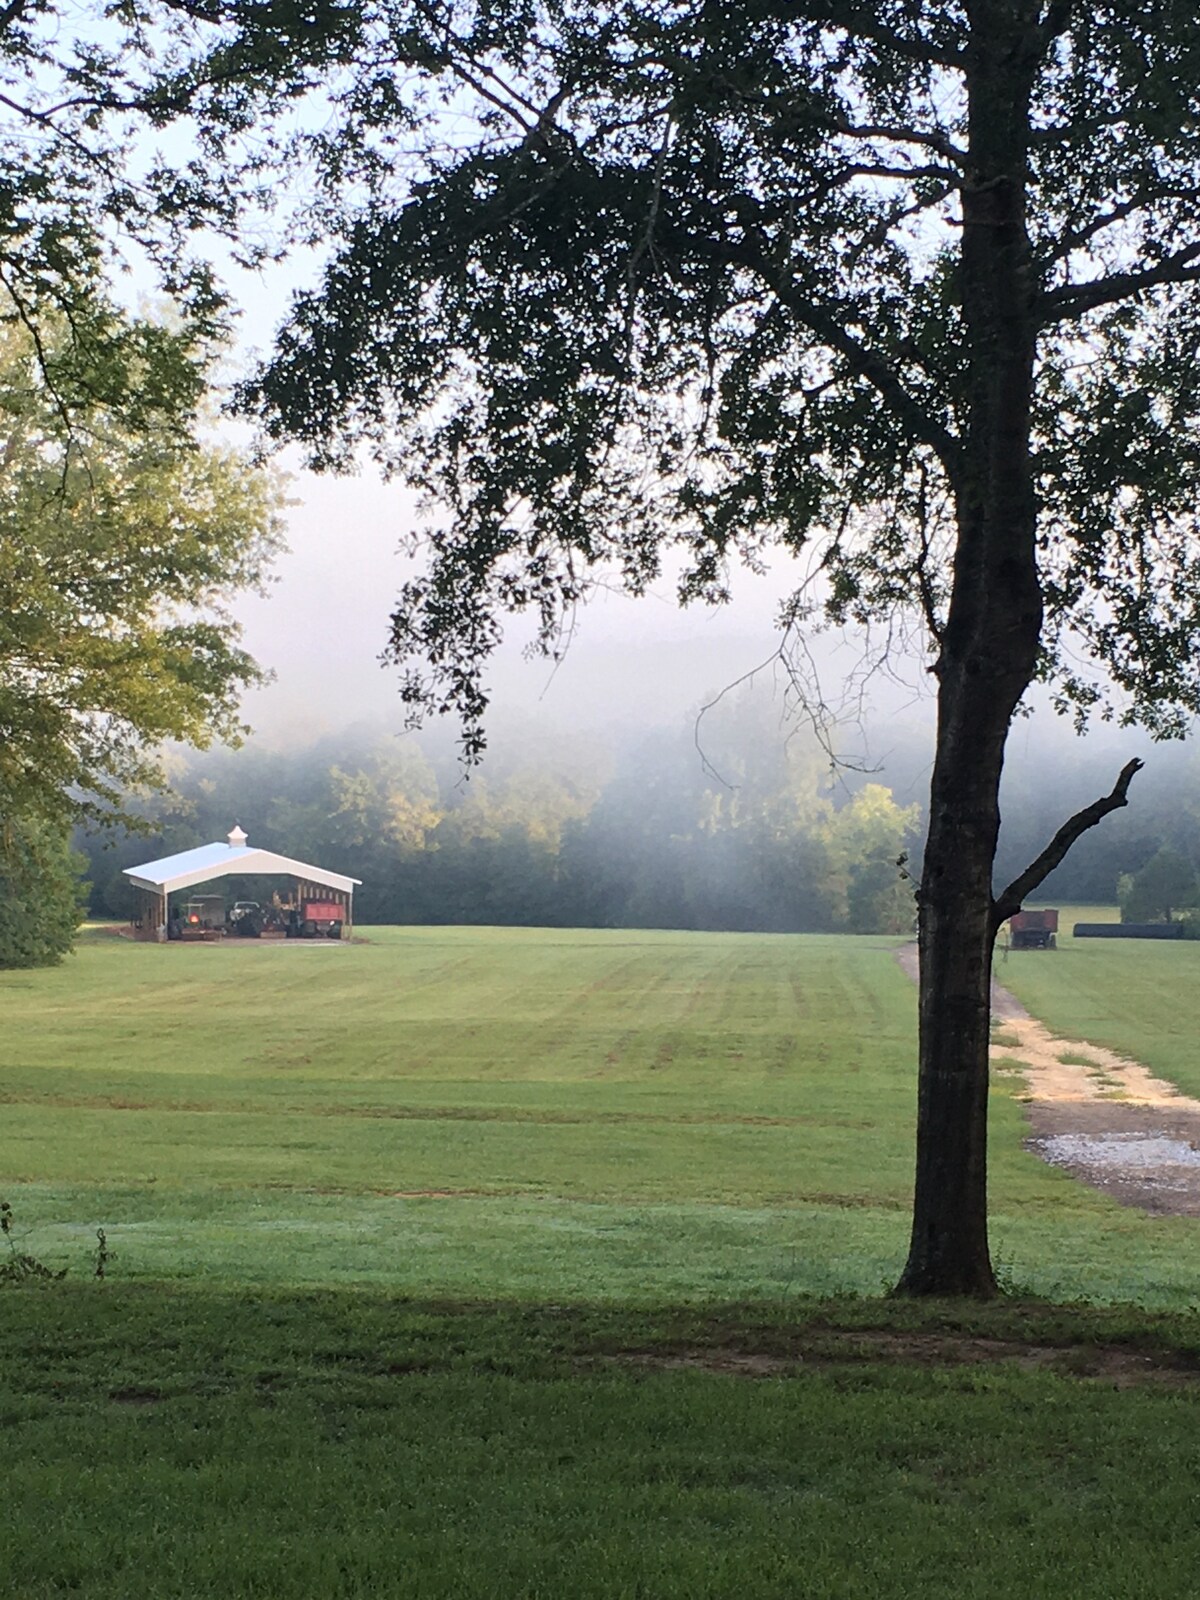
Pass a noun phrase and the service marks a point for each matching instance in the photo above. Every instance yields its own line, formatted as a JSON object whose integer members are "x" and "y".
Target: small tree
{"x": 42, "y": 892}
{"x": 867, "y": 840}
{"x": 1166, "y": 884}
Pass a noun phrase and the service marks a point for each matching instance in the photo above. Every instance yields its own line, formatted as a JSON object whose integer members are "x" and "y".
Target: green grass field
{"x": 539, "y": 1115}
{"x": 472, "y": 1262}
{"x": 1141, "y": 998}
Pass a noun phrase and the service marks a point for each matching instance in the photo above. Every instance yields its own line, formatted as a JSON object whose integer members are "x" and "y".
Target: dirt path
{"x": 1105, "y": 1119}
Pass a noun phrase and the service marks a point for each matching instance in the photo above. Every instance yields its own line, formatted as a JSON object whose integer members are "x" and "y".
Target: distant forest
{"x": 742, "y": 824}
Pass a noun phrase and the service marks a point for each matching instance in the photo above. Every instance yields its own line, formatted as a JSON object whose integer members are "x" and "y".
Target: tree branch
{"x": 879, "y": 373}
{"x": 940, "y": 142}
{"x": 1072, "y": 132}
{"x": 1086, "y": 231}
{"x": 881, "y": 169}
{"x": 1074, "y": 299}
{"x": 824, "y": 321}
{"x": 863, "y": 22}
{"x": 1010, "y": 901}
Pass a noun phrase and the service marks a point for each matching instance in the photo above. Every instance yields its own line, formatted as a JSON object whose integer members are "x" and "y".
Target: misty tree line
{"x": 755, "y": 834}
{"x": 743, "y": 825}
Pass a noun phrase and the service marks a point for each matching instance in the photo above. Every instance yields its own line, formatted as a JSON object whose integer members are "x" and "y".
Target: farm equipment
{"x": 1033, "y": 930}
{"x": 203, "y": 917}
{"x": 317, "y": 919}
{"x": 246, "y": 919}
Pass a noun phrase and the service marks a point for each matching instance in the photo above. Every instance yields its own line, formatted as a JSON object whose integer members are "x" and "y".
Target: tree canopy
{"x": 86, "y": 186}
{"x": 699, "y": 278}
{"x": 122, "y": 539}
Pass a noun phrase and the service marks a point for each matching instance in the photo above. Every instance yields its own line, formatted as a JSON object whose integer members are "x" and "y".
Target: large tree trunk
{"x": 989, "y": 652}
{"x": 949, "y": 1249}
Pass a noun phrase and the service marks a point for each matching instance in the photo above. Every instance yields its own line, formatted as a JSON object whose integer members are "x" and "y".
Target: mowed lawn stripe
{"x": 707, "y": 1021}
{"x": 750, "y": 1163}
{"x": 513, "y": 1112}
{"x": 564, "y": 1045}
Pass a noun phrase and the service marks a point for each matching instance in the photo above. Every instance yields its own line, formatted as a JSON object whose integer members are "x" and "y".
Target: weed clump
{"x": 20, "y": 1267}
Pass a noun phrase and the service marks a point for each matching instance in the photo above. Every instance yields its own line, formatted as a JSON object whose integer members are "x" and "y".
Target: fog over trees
{"x": 756, "y": 833}
{"x": 735, "y": 821}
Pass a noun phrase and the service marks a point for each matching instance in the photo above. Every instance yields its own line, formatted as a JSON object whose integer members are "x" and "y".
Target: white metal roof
{"x": 219, "y": 859}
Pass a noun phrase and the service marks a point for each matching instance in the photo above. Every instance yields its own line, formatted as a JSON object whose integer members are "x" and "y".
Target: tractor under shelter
{"x": 309, "y": 903}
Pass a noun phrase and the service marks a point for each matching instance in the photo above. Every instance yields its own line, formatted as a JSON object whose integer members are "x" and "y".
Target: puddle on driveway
{"x": 1142, "y": 1156}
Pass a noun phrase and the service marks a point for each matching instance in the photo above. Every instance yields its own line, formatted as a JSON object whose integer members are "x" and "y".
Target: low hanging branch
{"x": 1010, "y": 902}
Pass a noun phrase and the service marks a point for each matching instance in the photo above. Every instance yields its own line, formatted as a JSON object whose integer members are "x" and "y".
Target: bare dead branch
{"x": 1010, "y": 901}
{"x": 807, "y": 706}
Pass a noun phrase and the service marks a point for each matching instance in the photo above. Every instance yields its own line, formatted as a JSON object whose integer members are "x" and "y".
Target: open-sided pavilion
{"x": 156, "y": 881}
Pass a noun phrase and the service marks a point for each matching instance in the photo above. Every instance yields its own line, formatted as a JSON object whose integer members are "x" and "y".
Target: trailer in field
{"x": 1033, "y": 930}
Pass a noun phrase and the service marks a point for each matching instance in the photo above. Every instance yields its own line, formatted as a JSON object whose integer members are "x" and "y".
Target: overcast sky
{"x": 324, "y": 625}
{"x": 647, "y": 662}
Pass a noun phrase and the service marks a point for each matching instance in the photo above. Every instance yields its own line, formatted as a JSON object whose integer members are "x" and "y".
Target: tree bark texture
{"x": 989, "y": 652}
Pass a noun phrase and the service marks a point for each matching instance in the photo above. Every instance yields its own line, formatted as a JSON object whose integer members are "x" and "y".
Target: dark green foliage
{"x": 42, "y": 894}
{"x": 1164, "y": 886}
